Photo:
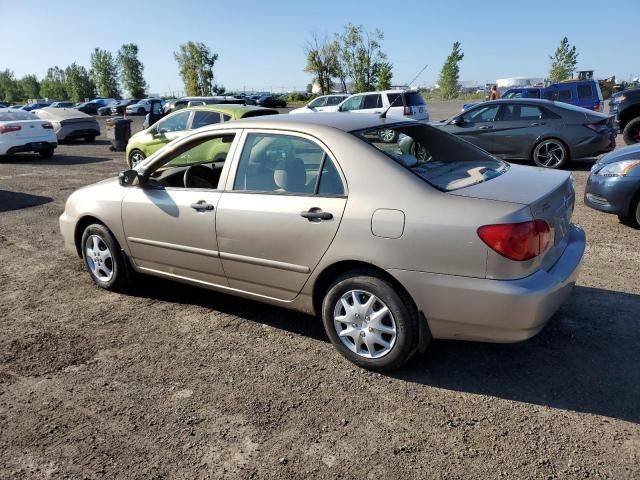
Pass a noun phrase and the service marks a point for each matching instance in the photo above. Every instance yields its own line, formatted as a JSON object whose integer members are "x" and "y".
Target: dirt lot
{"x": 171, "y": 381}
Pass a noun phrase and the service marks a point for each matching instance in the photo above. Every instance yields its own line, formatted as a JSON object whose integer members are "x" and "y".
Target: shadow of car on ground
{"x": 57, "y": 159}
{"x": 581, "y": 361}
{"x": 17, "y": 200}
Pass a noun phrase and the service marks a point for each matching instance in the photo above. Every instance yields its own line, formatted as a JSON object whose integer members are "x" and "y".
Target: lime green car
{"x": 175, "y": 125}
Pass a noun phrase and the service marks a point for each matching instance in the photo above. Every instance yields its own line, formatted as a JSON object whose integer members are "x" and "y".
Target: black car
{"x": 119, "y": 107}
{"x": 548, "y": 133}
{"x": 271, "y": 101}
{"x": 89, "y": 107}
{"x": 625, "y": 106}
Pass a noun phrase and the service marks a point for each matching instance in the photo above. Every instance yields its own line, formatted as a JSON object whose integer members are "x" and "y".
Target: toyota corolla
{"x": 317, "y": 214}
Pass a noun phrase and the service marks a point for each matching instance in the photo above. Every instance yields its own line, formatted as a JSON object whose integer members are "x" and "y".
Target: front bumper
{"x": 611, "y": 194}
{"x": 67, "y": 229}
{"x": 502, "y": 311}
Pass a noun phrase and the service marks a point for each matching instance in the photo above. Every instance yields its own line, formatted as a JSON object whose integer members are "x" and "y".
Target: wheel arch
{"x": 331, "y": 272}
{"x": 629, "y": 114}
{"x": 80, "y": 227}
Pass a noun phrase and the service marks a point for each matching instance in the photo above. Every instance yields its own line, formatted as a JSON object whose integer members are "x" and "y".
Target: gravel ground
{"x": 171, "y": 381}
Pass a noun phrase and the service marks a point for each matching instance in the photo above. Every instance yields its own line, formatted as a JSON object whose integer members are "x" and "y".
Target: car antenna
{"x": 384, "y": 114}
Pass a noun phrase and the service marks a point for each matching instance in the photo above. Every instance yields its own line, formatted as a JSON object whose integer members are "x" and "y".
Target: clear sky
{"x": 260, "y": 43}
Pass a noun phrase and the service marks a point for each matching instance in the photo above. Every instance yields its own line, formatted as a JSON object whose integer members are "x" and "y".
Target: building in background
{"x": 519, "y": 82}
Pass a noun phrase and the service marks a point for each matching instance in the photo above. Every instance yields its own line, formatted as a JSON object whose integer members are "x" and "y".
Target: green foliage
{"x": 196, "y": 62}
{"x": 53, "y": 86}
{"x": 360, "y": 57}
{"x": 384, "y": 76}
{"x": 322, "y": 61}
{"x": 450, "y": 73}
{"x": 9, "y": 88}
{"x": 104, "y": 73}
{"x": 132, "y": 70}
{"x": 563, "y": 62}
{"x": 29, "y": 87}
{"x": 296, "y": 98}
{"x": 79, "y": 84}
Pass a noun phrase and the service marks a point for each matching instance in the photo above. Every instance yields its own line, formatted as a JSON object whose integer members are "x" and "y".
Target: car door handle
{"x": 315, "y": 215}
{"x": 537, "y": 124}
{"x": 202, "y": 206}
{"x": 486, "y": 127}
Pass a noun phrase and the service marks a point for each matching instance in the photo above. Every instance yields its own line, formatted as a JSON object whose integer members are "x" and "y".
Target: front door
{"x": 170, "y": 223}
{"x": 279, "y": 214}
{"x": 477, "y": 125}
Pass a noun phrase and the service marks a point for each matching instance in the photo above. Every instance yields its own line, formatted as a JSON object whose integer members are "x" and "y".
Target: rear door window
{"x": 332, "y": 101}
{"x": 372, "y": 101}
{"x": 395, "y": 99}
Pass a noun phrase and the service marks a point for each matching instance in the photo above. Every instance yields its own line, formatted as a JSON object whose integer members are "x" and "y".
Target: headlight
{"x": 619, "y": 99}
{"x": 618, "y": 169}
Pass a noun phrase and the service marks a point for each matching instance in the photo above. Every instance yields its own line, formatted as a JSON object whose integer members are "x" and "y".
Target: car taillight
{"x": 596, "y": 127}
{"x": 9, "y": 128}
{"x": 517, "y": 241}
{"x": 47, "y": 126}
{"x": 596, "y": 107}
{"x": 407, "y": 110}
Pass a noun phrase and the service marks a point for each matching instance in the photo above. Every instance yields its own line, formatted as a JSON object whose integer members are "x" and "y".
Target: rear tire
{"x": 141, "y": 111}
{"x": 550, "y": 153}
{"x": 381, "y": 342}
{"x": 103, "y": 258}
{"x": 48, "y": 153}
{"x": 631, "y": 132}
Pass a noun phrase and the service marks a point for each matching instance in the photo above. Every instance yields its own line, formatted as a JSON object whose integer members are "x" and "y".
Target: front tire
{"x": 550, "y": 153}
{"x": 631, "y": 132}
{"x": 103, "y": 258}
{"x": 370, "y": 322}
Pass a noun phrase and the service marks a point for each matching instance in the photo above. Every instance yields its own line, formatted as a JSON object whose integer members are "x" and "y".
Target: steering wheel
{"x": 199, "y": 176}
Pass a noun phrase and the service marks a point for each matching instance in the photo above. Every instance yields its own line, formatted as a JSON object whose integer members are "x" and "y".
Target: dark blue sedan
{"x": 614, "y": 185}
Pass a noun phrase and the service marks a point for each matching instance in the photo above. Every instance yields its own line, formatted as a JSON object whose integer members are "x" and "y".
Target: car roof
{"x": 308, "y": 122}
{"x": 234, "y": 109}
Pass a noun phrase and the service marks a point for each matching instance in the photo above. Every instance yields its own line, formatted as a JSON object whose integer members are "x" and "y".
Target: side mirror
{"x": 457, "y": 121}
{"x": 127, "y": 178}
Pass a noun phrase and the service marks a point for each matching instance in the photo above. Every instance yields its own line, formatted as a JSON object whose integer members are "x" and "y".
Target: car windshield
{"x": 439, "y": 158}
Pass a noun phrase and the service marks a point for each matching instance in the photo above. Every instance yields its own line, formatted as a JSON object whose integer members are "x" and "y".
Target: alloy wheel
{"x": 99, "y": 258}
{"x": 364, "y": 324}
{"x": 136, "y": 157}
{"x": 549, "y": 154}
{"x": 387, "y": 135}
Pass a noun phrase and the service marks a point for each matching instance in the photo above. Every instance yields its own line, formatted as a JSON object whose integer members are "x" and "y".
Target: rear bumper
{"x": 69, "y": 131}
{"x": 502, "y": 311}
{"x": 29, "y": 147}
{"x": 611, "y": 194}
{"x": 594, "y": 145}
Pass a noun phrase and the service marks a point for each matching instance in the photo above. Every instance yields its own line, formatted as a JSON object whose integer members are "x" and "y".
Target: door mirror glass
{"x": 457, "y": 121}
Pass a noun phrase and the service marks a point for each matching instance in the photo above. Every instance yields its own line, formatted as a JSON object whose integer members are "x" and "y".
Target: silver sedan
{"x": 317, "y": 214}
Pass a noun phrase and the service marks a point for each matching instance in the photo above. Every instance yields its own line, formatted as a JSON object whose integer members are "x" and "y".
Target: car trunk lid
{"x": 30, "y": 130}
{"x": 548, "y": 194}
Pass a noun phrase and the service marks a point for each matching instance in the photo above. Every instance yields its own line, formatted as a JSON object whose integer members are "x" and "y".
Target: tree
{"x": 104, "y": 73}
{"x": 53, "y": 85}
{"x": 563, "y": 62}
{"x": 384, "y": 76}
{"x": 360, "y": 57}
{"x": 79, "y": 83}
{"x": 195, "y": 62}
{"x": 132, "y": 70}
{"x": 9, "y": 89}
{"x": 450, "y": 73}
{"x": 29, "y": 87}
{"x": 322, "y": 61}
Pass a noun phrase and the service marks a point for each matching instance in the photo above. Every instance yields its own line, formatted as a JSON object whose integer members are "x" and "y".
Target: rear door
{"x": 279, "y": 213}
{"x": 516, "y": 128}
{"x": 371, "y": 103}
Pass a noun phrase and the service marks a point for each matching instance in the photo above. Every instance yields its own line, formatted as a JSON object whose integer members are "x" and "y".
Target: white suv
{"x": 324, "y": 103}
{"x": 407, "y": 103}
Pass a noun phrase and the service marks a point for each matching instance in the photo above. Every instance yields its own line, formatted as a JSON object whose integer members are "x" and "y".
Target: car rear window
{"x": 413, "y": 98}
{"x": 259, "y": 113}
{"x": 15, "y": 116}
{"x": 439, "y": 158}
